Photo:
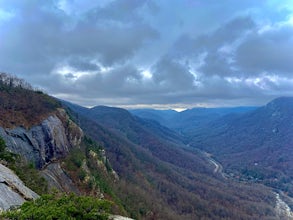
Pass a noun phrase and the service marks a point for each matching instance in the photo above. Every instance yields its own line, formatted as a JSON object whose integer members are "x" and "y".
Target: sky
{"x": 151, "y": 53}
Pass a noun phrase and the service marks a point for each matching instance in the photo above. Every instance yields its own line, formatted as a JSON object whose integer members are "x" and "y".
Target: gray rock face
{"x": 57, "y": 178}
{"x": 44, "y": 143}
{"x": 119, "y": 217}
{"x": 12, "y": 190}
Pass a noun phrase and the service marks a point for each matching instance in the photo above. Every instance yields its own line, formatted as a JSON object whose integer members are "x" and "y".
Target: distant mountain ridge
{"x": 253, "y": 144}
{"x": 146, "y": 170}
{"x": 155, "y": 159}
{"x": 161, "y": 116}
{"x": 190, "y": 120}
{"x": 257, "y": 145}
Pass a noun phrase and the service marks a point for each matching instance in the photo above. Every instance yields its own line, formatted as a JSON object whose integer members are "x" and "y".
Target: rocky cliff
{"x": 46, "y": 142}
{"x": 12, "y": 190}
{"x": 57, "y": 178}
{"x": 36, "y": 132}
{"x": 43, "y": 145}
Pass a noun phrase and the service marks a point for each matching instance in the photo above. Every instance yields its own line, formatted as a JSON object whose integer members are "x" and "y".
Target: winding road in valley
{"x": 218, "y": 167}
{"x": 283, "y": 211}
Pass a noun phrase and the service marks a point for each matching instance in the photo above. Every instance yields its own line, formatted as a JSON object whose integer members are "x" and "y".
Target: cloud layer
{"x": 135, "y": 53}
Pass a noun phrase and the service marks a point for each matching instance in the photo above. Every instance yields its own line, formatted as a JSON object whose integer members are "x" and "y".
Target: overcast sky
{"x": 151, "y": 53}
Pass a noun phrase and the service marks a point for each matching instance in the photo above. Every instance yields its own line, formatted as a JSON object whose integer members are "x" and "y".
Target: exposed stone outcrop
{"x": 43, "y": 145}
{"x": 118, "y": 217}
{"x": 47, "y": 142}
{"x": 12, "y": 190}
{"x": 57, "y": 178}
{"x": 282, "y": 209}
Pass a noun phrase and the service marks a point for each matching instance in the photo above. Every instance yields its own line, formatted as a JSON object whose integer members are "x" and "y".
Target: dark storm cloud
{"x": 227, "y": 33}
{"x": 216, "y": 62}
{"x": 123, "y": 12}
{"x": 269, "y": 51}
{"x": 102, "y": 84}
{"x": 109, "y": 44}
{"x": 41, "y": 36}
{"x": 144, "y": 52}
{"x": 82, "y": 64}
{"x": 172, "y": 75}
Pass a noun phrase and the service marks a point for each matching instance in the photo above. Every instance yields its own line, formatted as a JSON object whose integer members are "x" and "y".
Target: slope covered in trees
{"x": 20, "y": 105}
{"x": 161, "y": 178}
{"x": 35, "y": 122}
{"x": 256, "y": 146}
{"x": 189, "y": 121}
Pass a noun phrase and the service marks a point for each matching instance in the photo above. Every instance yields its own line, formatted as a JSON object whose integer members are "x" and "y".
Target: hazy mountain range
{"x": 225, "y": 163}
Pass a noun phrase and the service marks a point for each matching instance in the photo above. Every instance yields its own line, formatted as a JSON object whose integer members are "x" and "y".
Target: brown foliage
{"x": 162, "y": 180}
{"x": 22, "y": 106}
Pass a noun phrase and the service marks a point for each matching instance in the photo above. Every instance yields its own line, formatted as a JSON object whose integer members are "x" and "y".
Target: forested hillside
{"x": 139, "y": 167}
{"x": 163, "y": 178}
{"x": 42, "y": 146}
{"x": 21, "y": 105}
{"x": 256, "y": 146}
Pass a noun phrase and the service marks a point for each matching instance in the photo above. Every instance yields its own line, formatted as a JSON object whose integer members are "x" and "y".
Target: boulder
{"x": 13, "y": 192}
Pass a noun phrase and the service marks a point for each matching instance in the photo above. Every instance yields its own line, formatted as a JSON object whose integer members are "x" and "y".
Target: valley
{"x": 146, "y": 110}
{"x": 133, "y": 132}
{"x": 253, "y": 145}
{"x": 140, "y": 168}
{"x": 218, "y": 167}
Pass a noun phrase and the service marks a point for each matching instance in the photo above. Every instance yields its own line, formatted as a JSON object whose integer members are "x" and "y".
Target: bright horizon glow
{"x": 179, "y": 109}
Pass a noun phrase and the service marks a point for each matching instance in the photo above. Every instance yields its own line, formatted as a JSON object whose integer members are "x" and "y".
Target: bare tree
{"x": 14, "y": 82}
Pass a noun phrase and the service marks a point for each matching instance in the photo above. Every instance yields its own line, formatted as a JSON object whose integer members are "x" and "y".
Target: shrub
{"x": 26, "y": 172}
{"x": 62, "y": 206}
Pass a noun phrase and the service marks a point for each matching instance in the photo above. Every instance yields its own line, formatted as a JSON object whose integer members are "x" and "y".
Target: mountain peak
{"x": 284, "y": 100}
{"x": 280, "y": 105}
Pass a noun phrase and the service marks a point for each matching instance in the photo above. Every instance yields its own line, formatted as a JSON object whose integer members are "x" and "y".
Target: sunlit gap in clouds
{"x": 263, "y": 82}
{"x": 175, "y": 107}
{"x": 70, "y": 73}
{"x": 104, "y": 69}
{"x": 146, "y": 74}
